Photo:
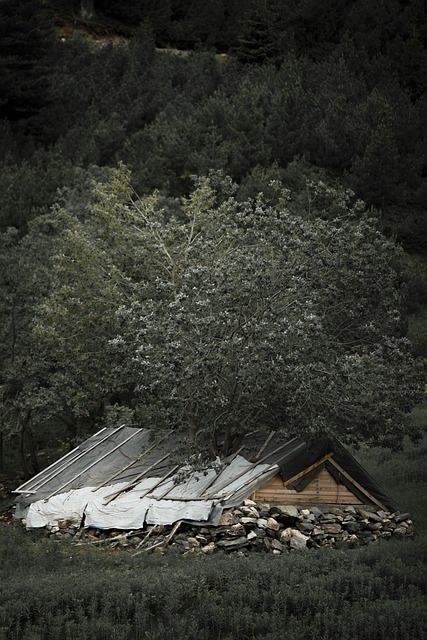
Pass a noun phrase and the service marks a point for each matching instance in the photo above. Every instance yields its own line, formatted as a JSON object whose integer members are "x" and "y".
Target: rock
{"x": 227, "y": 519}
{"x": 363, "y": 514}
{"x": 374, "y": 516}
{"x": 285, "y": 535}
{"x": 194, "y": 543}
{"x": 385, "y": 534}
{"x": 276, "y": 545}
{"x": 298, "y": 541}
{"x": 64, "y": 524}
{"x": 399, "y": 532}
{"x": 305, "y": 525}
{"x": 332, "y": 529}
{"x": 234, "y": 531}
{"x": 249, "y": 503}
{"x": 251, "y": 536}
{"x": 351, "y": 510}
{"x": 288, "y": 510}
{"x": 317, "y": 531}
{"x": 403, "y": 516}
{"x": 209, "y": 548}
{"x": 316, "y": 511}
{"x": 329, "y": 518}
{"x": 273, "y": 524}
{"x": 250, "y": 511}
{"x": 248, "y": 521}
{"x": 262, "y": 523}
{"x": 229, "y": 545}
{"x": 352, "y": 527}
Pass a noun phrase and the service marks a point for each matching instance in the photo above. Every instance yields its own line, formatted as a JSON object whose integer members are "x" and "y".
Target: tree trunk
{"x": 27, "y": 443}
{"x": 87, "y": 9}
{"x": 1, "y": 454}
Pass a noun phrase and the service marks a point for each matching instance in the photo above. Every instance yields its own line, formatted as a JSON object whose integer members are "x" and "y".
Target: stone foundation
{"x": 255, "y": 528}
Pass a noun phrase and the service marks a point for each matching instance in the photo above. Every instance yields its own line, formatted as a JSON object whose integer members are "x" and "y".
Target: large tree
{"x": 235, "y": 316}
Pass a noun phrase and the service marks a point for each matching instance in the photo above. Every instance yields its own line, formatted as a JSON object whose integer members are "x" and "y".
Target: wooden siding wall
{"x": 323, "y": 489}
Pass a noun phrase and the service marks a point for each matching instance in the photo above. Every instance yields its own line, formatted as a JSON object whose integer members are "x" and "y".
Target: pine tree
{"x": 26, "y": 41}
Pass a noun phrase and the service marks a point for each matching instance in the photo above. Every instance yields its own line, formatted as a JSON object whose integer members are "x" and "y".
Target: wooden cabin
{"x": 125, "y": 478}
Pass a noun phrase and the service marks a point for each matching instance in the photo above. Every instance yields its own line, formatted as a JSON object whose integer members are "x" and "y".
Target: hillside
{"x": 323, "y": 100}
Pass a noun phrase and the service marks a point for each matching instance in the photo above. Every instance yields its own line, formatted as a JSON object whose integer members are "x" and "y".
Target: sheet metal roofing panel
{"x": 121, "y": 454}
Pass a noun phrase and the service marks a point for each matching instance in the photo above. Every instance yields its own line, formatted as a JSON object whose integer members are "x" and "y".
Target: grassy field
{"x": 55, "y": 590}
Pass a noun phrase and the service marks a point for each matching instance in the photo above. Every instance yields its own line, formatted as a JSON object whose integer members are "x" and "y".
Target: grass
{"x": 55, "y": 590}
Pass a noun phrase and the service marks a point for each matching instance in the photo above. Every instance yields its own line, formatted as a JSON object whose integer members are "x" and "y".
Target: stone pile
{"x": 256, "y": 527}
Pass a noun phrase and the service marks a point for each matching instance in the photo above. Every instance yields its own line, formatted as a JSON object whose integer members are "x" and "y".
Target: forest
{"x": 212, "y": 217}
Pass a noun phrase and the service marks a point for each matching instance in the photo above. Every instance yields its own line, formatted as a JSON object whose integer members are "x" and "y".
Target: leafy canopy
{"x": 217, "y": 317}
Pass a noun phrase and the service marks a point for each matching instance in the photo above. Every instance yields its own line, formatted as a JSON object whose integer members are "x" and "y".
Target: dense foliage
{"x": 306, "y": 93}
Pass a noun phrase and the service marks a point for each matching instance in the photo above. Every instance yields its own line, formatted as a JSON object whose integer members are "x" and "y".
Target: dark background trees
{"x": 263, "y": 90}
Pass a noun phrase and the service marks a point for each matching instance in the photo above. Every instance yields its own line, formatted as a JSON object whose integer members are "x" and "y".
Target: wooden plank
{"x": 323, "y": 489}
{"x": 264, "y": 446}
{"x": 151, "y": 489}
{"x": 135, "y": 481}
{"x": 313, "y": 466}
{"x": 357, "y": 485}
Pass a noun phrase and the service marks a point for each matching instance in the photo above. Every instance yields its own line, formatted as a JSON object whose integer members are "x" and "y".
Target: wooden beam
{"x": 357, "y": 485}
{"x": 313, "y": 466}
{"x": 56, "y": 467}
{"x": 151, "y": 489}
{"x": 264, "y": 446}
{"x": 97, "y": 461}
{"x": 135, "y": 481}
{"x": 138, "y": 459}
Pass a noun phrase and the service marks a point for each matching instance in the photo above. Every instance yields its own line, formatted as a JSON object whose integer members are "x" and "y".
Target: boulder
{"x": 273, "y": 524}
{"x": 285, "y": 535}
{"x": 298, "y": 540}
{"x": 229, "y": 545}
{"x": 288, "y": 510}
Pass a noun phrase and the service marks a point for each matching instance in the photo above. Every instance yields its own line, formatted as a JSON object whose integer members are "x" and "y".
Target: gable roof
{"x": 125, "y": 477}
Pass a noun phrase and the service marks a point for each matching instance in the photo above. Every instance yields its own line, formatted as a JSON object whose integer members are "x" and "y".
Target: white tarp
{"x": 127, "y": 511}
{"x": 151, "y": 501}
{"x": 64, "y": 506}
